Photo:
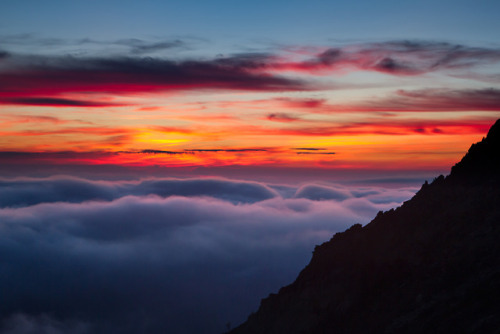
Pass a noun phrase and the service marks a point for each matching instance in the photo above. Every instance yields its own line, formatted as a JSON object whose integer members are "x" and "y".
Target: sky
{"x": 325, "y": 85}
{"x": 164, "y": 165}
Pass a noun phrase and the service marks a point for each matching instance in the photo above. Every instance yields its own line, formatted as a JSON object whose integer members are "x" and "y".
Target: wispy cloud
{"x": 428, "y": 99}
{"x": 131, "y": 45}
{"x": 88, "y": 130}
{"x": 9, "y": 120}
{"x": 282, "y": 117}
{"x": 487, "y": 99}
{"x": 397, "y": 58}
{"x": 56, "y": 102}
{"x": 4, "y": 54}
{"x": 211, "y": 150}
{"x": 316, "y": 153}
{"x": 393, "y": 127}
{"x": 139, "y": 46}
{"x": 308, "y": 149}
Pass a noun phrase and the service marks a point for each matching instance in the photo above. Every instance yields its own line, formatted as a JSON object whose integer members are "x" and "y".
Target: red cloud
{"x": 404, "y": 127}
{"x": 47, "y": 81}
{"x": 55, "y": 102}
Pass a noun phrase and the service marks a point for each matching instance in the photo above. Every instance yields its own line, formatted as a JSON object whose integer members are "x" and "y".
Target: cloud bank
{"x": 160, "y": 255}
{"x": 44, "y": 80}
{"x": 48, "y": 80}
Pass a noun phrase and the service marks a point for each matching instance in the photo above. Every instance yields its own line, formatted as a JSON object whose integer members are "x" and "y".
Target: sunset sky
{"x": 322, "y": 85}
{"x": 164, "y": 165}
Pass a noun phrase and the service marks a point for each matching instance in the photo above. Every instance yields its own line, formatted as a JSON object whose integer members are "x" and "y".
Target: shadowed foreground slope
{"x": 429, "y": 266}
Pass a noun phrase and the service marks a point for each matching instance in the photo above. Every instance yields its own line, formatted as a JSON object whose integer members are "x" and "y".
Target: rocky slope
{"x": 429, "y": 266}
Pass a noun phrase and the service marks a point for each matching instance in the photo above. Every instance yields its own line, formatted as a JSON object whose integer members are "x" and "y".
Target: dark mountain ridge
{"x": 429, "y": 266}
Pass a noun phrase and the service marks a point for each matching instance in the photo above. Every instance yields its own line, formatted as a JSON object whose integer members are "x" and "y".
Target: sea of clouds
{"x": 161, "y": 255}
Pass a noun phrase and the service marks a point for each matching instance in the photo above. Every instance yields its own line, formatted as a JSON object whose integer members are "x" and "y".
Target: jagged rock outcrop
{"x": 429, "y": 266}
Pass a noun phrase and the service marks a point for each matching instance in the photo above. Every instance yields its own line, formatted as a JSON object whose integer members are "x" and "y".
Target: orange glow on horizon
{"x": 235, "y": 114}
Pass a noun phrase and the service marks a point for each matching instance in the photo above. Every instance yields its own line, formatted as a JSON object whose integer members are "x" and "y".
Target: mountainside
{"x": 429, "y": 266}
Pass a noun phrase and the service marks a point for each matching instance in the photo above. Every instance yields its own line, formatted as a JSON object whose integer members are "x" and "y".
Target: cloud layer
{"x": 160, "y": 255}
{"x": 54, "y": 80}
{"x": 43, "y": 80}
{"x": 399, "y": 57}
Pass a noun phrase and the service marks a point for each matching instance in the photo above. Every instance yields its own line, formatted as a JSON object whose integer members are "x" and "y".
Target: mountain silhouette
{"x": 429, "y": 266}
